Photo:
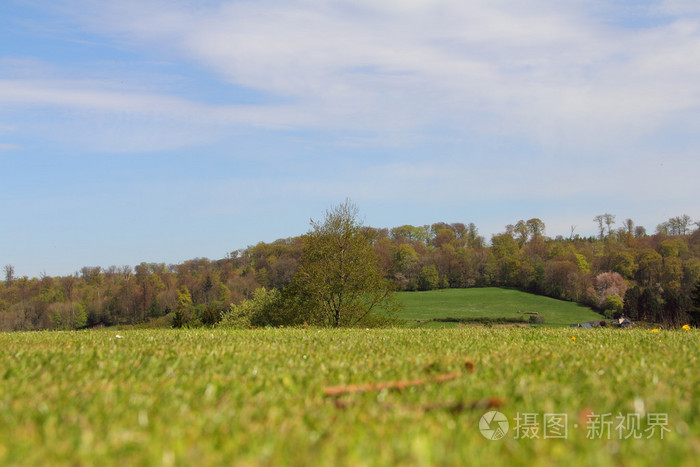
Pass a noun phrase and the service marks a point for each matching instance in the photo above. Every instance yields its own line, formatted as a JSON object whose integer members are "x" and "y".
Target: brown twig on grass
{"x": 398, "y": 385}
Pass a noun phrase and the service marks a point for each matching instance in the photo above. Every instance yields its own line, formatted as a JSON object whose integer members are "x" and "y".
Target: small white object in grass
{"x": 119, "y": 337}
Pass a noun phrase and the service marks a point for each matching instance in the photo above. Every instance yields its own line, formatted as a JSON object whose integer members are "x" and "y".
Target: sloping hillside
{"x": 491, "y": 303}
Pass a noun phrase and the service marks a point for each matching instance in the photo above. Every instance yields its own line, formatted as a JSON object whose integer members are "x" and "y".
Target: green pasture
{"x": 256, "y": 397}
{"x": 492, "y": 303}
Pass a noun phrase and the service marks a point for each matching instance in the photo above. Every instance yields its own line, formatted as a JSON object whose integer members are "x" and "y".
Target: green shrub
{"x": 264, "y": 309}
{"x": 613, "y": 304}
{"x": 536, "y": 319}
{"x": 429, "y": 278}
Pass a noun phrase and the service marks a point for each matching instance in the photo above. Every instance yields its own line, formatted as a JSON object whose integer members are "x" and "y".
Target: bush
{"x": 179, "y": 319}
{"x": 209, "y": 314}
{"x": 613, "y": 305}
{"x": 429, "y": 278}
{"x": 266, "y": 308}
{"x": 536, "y": 319}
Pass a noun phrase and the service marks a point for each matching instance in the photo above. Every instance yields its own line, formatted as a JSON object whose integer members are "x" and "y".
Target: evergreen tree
{"x": 630, "y": 308}
{"x": 650, "y": 305}
{"x": 695, "y": 305}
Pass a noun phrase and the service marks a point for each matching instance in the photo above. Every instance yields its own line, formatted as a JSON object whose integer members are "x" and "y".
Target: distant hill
{"x": 490, "y": 303}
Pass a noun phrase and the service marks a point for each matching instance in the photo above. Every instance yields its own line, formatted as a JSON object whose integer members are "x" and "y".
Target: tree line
{"x": 624, "y": 270}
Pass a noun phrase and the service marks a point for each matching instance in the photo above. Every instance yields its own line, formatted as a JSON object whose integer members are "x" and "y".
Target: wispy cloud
{"x": 557, "y": 76}
{"x": 537, "y": 68}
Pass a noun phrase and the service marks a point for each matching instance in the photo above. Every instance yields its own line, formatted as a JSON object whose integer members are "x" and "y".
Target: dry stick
{"x": 401, "y": 384}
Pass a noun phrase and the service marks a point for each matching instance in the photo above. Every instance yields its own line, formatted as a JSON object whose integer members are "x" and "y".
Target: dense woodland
{"x": 652, "y": 277}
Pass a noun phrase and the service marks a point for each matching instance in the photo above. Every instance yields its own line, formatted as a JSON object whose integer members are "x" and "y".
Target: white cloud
{"x": 549, "y": 72}
{"x": 539, "y": 66}
{"x": 97, "y": 116}
{"x": 86, "y": 96}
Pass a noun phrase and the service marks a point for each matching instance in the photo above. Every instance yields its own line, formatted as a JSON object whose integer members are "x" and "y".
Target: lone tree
{"x": 339, "y": 281}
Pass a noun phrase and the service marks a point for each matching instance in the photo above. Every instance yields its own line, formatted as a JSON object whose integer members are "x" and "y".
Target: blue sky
{"x": 160, "y": 131}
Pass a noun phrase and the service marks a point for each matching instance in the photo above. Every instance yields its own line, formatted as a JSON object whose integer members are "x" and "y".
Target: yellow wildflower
{"x": 573, "y": 338}
{"x": 654, "y": 330}
{"x": 686, "y": 327}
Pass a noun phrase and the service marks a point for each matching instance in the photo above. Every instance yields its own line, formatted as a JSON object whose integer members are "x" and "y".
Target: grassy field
{"x": 490, "y": 302}
{"x": 256, "y": 397}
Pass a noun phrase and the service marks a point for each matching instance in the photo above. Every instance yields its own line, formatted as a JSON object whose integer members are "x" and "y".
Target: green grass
{"x": 255, "y": 397}
{"x": 491, "y": 302}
